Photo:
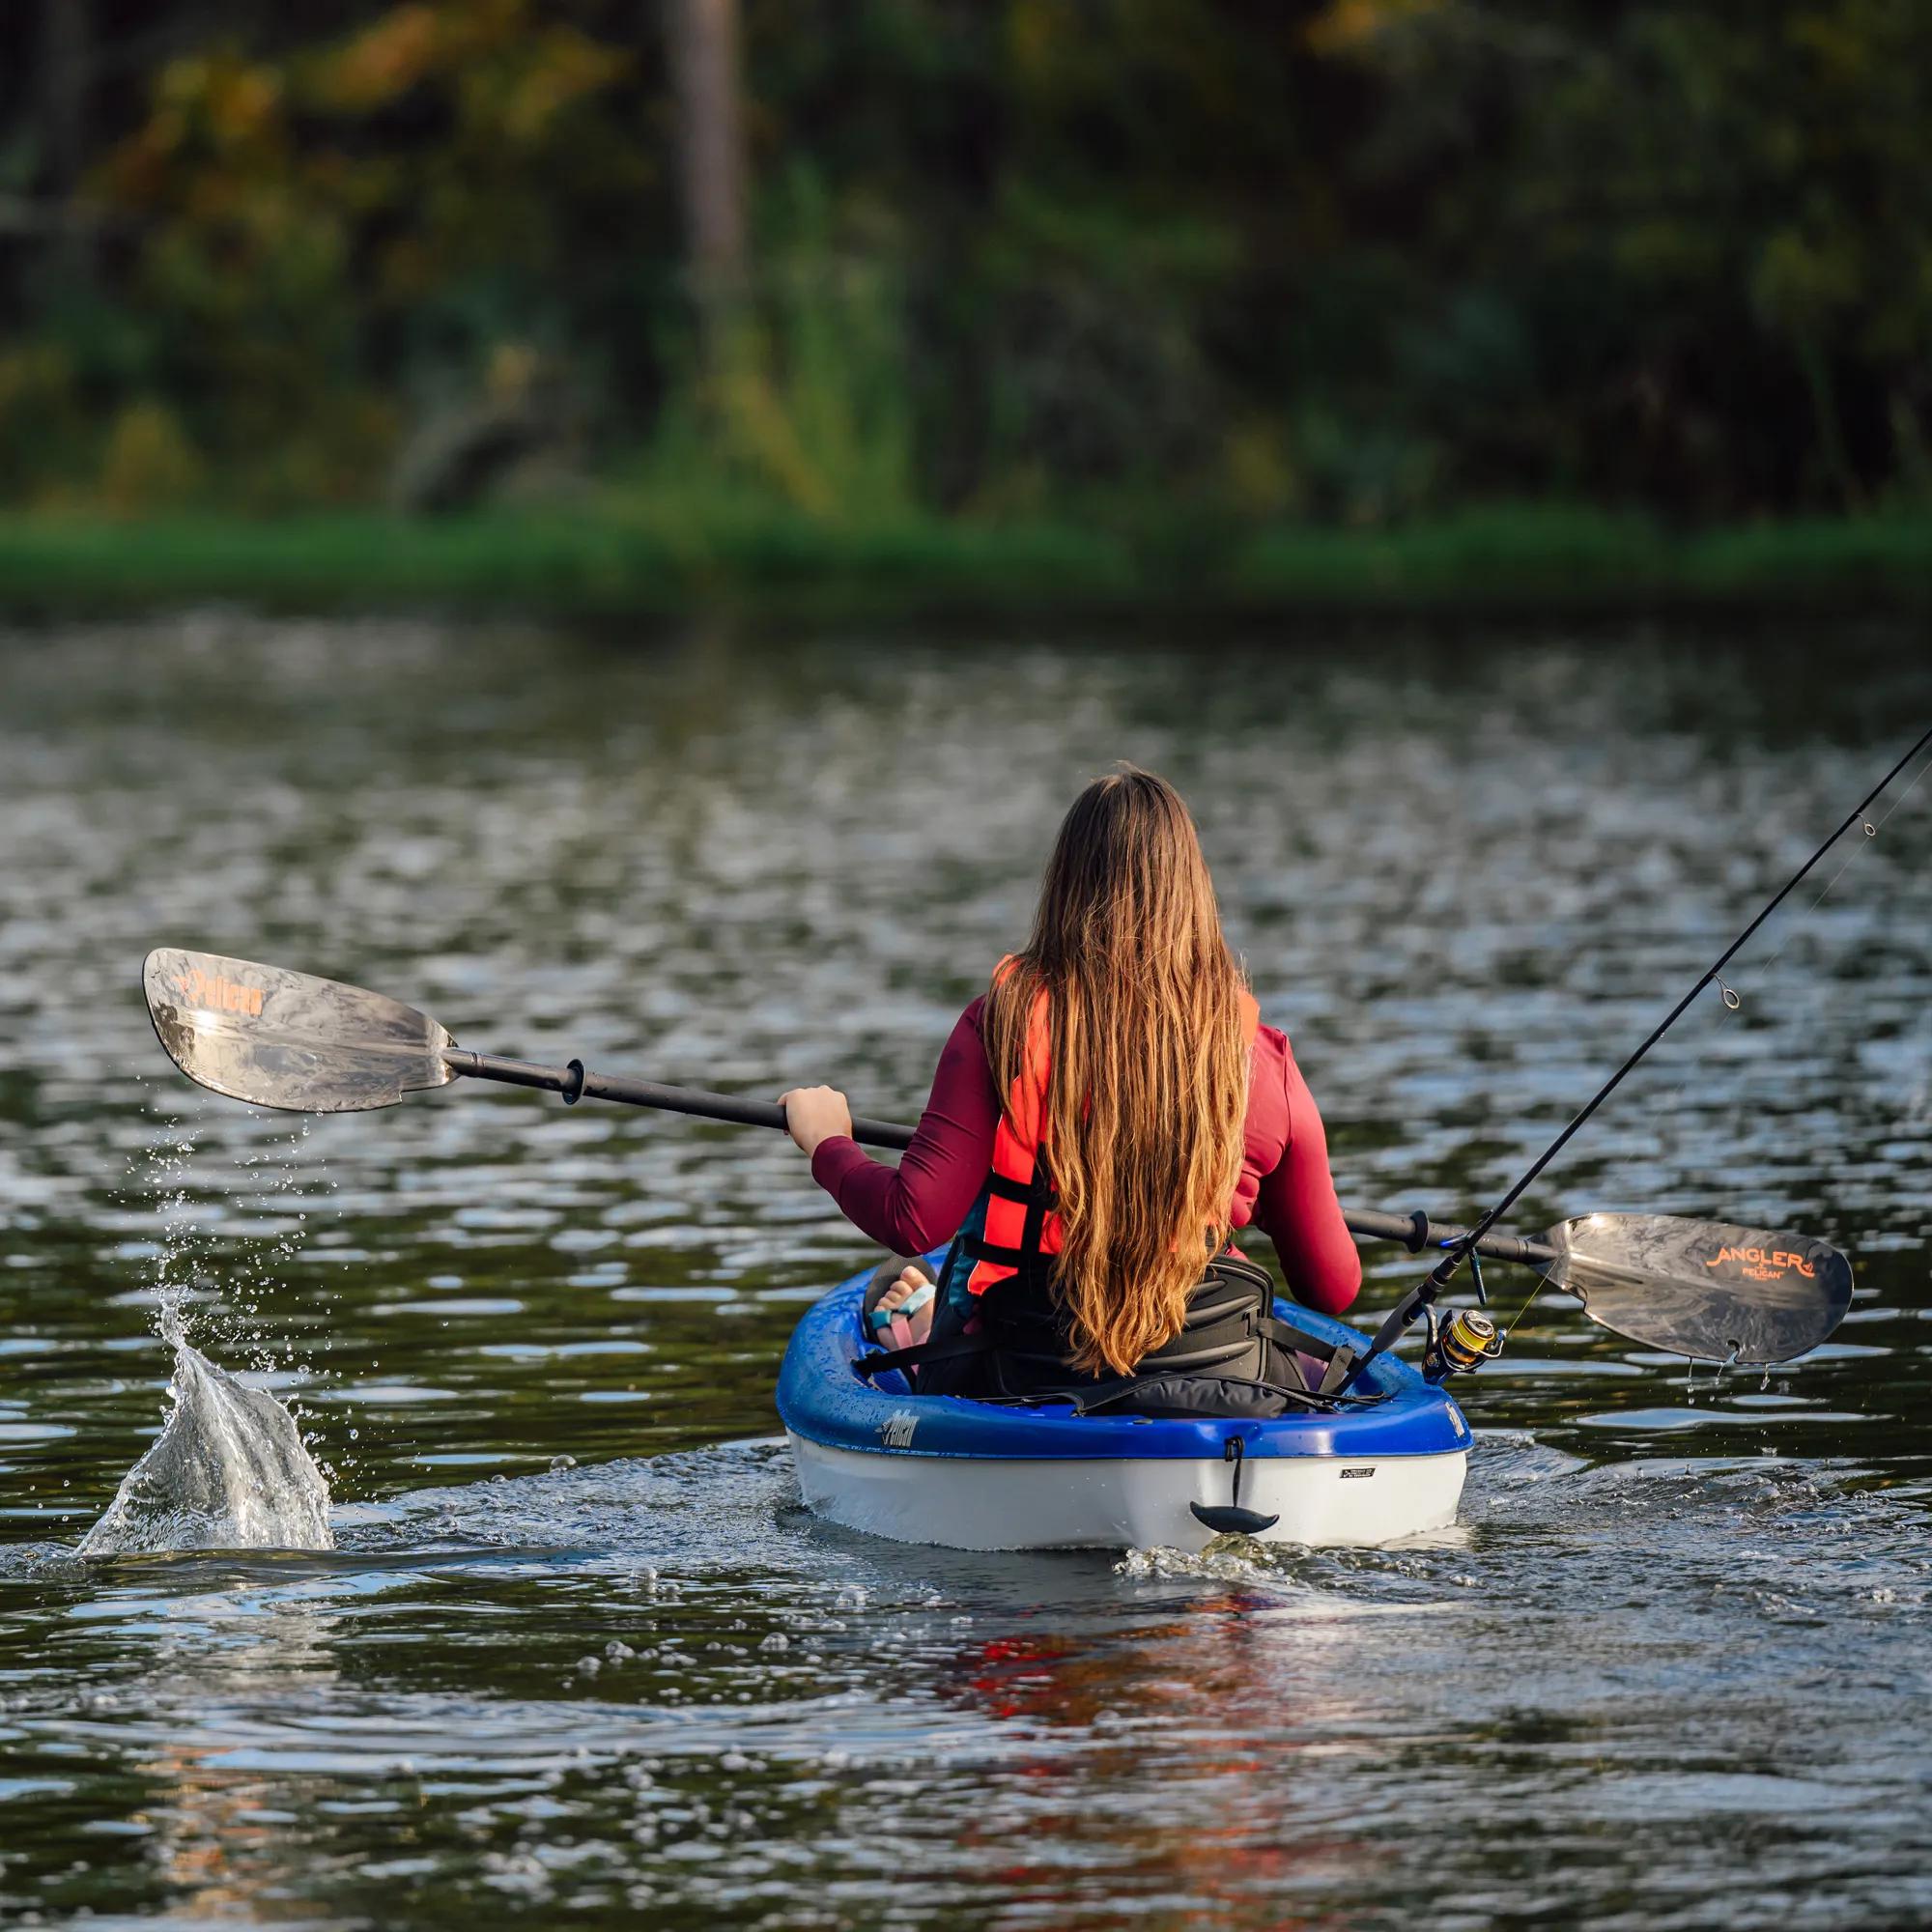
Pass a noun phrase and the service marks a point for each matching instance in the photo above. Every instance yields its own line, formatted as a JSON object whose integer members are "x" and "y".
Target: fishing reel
{"x": 1460, "y": 1345}
{"x": 1466, "y": 1339}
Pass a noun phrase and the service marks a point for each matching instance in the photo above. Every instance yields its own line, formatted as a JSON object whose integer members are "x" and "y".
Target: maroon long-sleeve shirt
{"x": 1285, "y": 1188}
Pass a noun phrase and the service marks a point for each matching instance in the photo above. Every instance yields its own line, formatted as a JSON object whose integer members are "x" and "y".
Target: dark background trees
{"x": 1353, "y": 261}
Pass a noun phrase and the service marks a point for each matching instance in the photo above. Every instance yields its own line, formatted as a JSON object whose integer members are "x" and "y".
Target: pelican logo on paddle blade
{"x": 1703, "y": 1289}
{"x": 289, "y": 1040}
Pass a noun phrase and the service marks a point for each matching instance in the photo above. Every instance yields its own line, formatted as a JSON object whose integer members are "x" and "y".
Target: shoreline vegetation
{"x": 606, "y": 557}
{"x": 1361, "y": 305}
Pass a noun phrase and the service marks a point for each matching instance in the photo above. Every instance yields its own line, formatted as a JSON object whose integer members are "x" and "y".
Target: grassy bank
{"x": 609, "y": 558}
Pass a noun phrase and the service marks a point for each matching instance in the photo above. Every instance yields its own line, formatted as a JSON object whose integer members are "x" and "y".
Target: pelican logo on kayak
{"x": 1353, "y": 1475}
{"x": 896, "y": 1431}
{"x": 1760, "y": 1265}
{"x": 219, "y": 995}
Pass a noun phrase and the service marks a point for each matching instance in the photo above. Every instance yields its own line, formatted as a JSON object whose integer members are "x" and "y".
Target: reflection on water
{"x": 1667, "y": 1668}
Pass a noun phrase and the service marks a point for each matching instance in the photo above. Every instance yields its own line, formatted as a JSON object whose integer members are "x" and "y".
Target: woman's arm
{"x": 1296, "y": 1206}
{"x": 922, "y": 1202}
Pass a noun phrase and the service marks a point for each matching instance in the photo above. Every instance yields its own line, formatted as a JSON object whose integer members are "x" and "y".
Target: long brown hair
{"x": 1149, "y": 1063}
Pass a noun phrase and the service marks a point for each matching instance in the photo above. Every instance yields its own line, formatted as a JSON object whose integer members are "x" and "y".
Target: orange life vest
{"x": 1021, "y": 1227}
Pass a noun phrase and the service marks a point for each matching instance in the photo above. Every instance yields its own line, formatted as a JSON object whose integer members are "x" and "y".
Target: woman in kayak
{"x": 1102, "y": 1117}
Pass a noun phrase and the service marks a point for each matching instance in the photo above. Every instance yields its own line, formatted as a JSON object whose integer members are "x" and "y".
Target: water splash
{"x": 229, "y": 1469}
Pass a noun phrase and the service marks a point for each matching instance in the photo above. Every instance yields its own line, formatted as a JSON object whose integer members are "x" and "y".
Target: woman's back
{"x": 1284, "y": 1187}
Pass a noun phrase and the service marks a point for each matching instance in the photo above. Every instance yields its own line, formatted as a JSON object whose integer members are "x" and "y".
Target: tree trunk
{"x": 704, "y": 71}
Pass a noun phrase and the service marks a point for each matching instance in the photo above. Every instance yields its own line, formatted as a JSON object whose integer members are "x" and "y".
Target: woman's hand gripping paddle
{"x": 291, "y": 1041}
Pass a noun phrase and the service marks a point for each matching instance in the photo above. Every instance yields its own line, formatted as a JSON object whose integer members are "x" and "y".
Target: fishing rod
{"x": 289, "y": 1040}
{"x": 1420, "y": 1301}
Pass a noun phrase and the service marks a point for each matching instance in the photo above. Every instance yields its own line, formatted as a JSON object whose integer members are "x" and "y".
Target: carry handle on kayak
{"x": 1230, "y": 1518}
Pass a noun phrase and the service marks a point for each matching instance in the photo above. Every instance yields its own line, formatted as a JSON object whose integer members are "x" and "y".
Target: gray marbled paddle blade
{"x": 1703, "y": 1289}
{"x": 289, "y": 1040}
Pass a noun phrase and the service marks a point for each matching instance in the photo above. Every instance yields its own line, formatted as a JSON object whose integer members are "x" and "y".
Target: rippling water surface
{"x": 579, "y": 1657}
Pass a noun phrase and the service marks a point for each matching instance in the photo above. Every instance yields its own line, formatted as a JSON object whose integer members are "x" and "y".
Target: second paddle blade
{"x": 1703, "y": 1289}
{"x": 289, "y": 1040}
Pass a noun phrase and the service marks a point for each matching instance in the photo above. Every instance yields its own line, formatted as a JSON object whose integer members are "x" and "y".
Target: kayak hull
{"x": 944, "y": 1471}
{"x": 973, "y": 1503}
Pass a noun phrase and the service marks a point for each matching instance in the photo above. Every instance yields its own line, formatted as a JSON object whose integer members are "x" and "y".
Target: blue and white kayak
{"x": 971, "y": 1475}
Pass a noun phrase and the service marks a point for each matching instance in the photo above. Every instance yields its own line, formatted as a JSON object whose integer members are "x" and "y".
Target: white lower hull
{"x": 971, "y": 1502}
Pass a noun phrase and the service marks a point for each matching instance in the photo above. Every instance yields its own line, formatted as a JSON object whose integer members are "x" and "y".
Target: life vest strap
{"x": 1024, "y": 1193}
{"x": 979, "y": 1249}
{"x": 1032, "y": 1273}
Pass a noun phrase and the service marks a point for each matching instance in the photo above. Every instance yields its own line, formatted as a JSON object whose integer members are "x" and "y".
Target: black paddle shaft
{"x": 575, "y": 1082}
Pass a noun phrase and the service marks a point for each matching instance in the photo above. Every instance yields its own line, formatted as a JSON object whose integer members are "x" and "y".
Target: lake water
{"x": 580, "y": 1657}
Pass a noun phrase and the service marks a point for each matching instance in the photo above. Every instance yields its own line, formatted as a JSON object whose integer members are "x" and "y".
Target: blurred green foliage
{"x": 1105, "y": 262}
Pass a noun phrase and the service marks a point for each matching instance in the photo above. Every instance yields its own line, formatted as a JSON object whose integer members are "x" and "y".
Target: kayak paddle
{"x": 301, "y": 1044}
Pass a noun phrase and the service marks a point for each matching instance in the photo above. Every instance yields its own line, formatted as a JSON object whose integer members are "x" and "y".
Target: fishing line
{"x": 1542, "y": 1281}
